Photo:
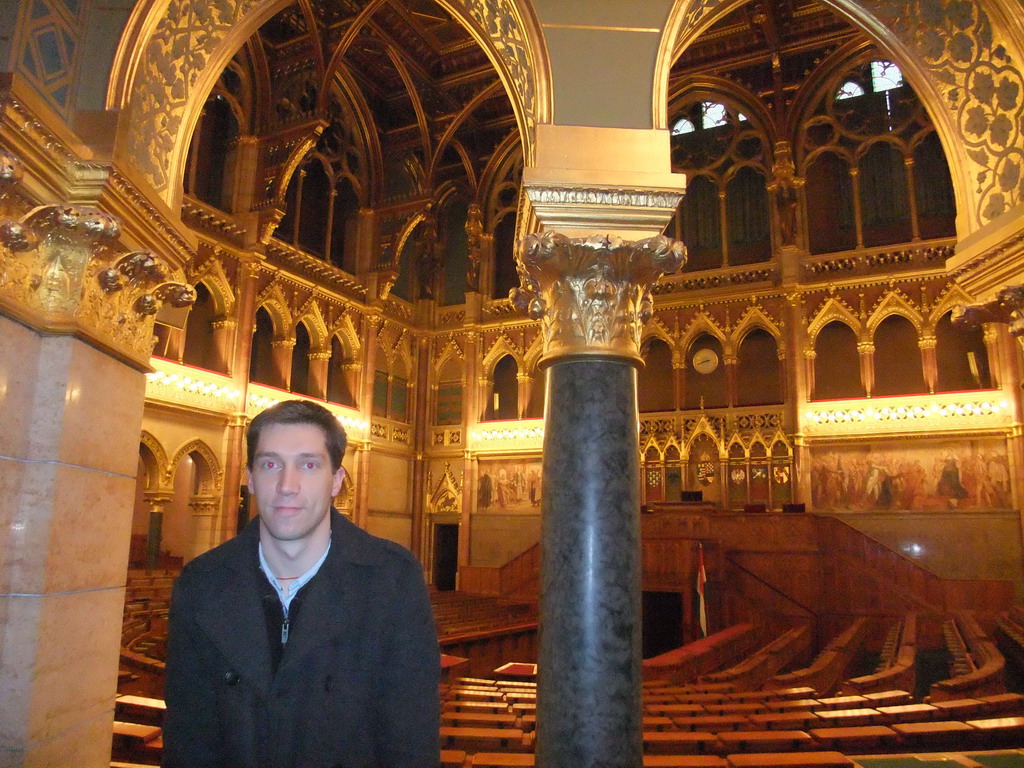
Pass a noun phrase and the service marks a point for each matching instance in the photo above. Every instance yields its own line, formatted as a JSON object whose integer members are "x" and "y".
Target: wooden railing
{"x": 687, "y": 663}
{"x": 915, "y": 584}
{"x": 517, "y": 579}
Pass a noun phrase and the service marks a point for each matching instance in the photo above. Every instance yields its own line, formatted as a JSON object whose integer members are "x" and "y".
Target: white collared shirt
{"x": 294, "y": 585}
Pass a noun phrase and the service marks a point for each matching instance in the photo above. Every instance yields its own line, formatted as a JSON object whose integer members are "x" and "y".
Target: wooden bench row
{"x": 830, "y": 665}
{"x": 898, "y": 666}
{"x": 753, "y": 671}
{"x": 983, "y": 664}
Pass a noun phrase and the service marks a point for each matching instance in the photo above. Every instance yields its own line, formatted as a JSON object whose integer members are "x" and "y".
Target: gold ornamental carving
{"x": 1006, "y": 308}
{"x": 61, "y": 272}
{"x": 592, "y": 294}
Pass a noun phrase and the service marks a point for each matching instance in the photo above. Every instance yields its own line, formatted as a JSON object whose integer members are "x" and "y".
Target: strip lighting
{"x": 907, "y": 412}
{"x": 188, "y": 384}
{"x": 509, "y": 434}
{"x": 262, "y": 402}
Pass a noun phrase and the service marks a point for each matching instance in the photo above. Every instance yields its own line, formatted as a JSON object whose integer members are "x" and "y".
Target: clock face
{"x": 705, "y": 360}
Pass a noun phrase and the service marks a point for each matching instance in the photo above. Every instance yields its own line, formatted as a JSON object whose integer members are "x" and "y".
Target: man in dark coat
{"x": 304, "y": 642}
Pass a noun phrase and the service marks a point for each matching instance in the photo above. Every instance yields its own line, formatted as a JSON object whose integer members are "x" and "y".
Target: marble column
{"x": 592, "y": 296}
{"x": 76, "y": 314}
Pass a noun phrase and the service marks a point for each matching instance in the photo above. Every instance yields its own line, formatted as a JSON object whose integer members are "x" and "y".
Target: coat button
{"x": 231, "y": 677}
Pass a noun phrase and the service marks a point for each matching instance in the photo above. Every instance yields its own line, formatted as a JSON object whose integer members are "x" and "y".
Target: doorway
{"x": 446, "y": 556}
{"x": 662, "y": 622}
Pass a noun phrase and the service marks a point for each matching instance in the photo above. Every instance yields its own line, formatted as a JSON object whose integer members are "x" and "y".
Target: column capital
{"x": 592, "y": 294}
{"x": 65, "y": 274}
{"x": 1006, "y": 308}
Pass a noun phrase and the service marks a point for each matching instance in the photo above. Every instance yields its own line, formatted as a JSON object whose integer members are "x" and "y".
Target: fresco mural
{"x": 509, "y": 486}
{"x": 962, "y": 474}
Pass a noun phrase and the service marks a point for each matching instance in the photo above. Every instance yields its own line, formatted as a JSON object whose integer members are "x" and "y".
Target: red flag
{"x": 702, "y": 578}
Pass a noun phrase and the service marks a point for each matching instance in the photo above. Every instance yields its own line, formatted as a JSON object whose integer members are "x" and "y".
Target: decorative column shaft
{"x": 592, "y": 295}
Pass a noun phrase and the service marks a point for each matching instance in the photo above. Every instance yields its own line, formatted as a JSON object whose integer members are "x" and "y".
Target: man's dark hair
{"x": 299, "y": 412}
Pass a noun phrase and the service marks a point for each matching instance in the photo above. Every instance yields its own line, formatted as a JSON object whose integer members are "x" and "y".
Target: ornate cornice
{"x": 602, "y": 207}
{"x": 593, "y": 294}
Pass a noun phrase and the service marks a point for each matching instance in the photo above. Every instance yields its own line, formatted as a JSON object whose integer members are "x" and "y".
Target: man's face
{"x": 292, "y": 481}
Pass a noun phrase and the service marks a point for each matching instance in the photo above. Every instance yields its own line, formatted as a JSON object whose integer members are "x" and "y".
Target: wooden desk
{"x": 764, "y": 741}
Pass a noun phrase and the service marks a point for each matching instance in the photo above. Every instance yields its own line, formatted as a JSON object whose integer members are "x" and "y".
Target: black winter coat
{"x": 357, "y": 684}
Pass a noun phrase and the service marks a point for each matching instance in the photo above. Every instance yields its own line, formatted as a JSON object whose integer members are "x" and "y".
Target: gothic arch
{"x": 894, "y": 303}
{"x": 498, "y": 350}
{"x": 312, "y": 317}
{"x": 276, "y": 303}
{"x": 702, "y": 323}
{"x": 450, "y": 351}
{"x": 209, "y": 470}
{"x": 753, "y": 318}
{"x": 210, "y": 473}
{"x": 211, "y": 274}
{"x": 651, "y": 443}
{"x": 166, "y": 65}
{"x": 917, "y": 36}
{"x": 704, "y": 427}
{"x": 953, "y": 297}
{"x": 154, "y": 458}
{"x": 346, "y": 333}
{"x": 833, "y": 309}
{"x": 533, "y": 355}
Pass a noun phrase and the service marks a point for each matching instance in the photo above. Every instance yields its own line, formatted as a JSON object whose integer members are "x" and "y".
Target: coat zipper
{"x": 284, "y": 627}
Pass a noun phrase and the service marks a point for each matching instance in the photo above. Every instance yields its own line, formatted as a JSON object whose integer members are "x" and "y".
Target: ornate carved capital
{"x": 60, "y": 273}
{"x": 1007, "y": 308}
{"x": 592, "y": 294}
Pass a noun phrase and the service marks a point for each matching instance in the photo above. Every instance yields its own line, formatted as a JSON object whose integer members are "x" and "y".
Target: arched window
{"x": 300, "y": 362}
{"x": 898, "y": 369}
{"x": 505, "y": 276}
{"x": 746, "y": 213}
{"x": 504, "y": 395}
{"x": 398, "y": 407}
{"x": 345, "y": 226}
{"x": 455, "y": 247}
{"x": 836, "y": 363}
{"x": 449, "y": 394}
{"x": 199, "y": 349}
{"x": 261, "y": 356}
{"x": 961, "y": 357}
{"x": 830, "y": 214}
{"x": 933, "y": 187}
{"x": 209, "y": 152}
{"x": 681, "y": 126}
{"x": 338, "y": 389}
{"x": 705, "y": 374}
{"x": 884, "y": 203}
{"x": 849, "y": 90}
{"x": 702, "y": 225}
{"x": 654, "y": 382}
{"x": 757, "y": 379}
{"x": 406, "y": 269}
{"x": 314, "y": 207}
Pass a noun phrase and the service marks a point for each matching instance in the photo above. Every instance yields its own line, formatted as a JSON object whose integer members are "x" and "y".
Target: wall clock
{"x": 705, "y": 360}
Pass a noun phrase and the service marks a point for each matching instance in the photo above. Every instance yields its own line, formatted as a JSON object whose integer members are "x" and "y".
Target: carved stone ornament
{"x": 10, "y": 166}
{"x": 1007, "y": 308}
{"x": 60, "y": 273}
{"x": 592, "y": 294}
